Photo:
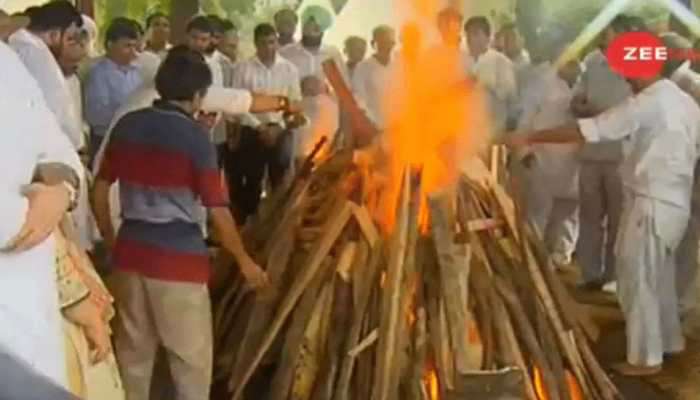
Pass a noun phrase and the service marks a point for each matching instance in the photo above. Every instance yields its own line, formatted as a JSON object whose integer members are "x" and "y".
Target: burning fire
{"x": 435, "y": 118}
{"x": 432, "y": 384}
{"x": 574, "y": 388}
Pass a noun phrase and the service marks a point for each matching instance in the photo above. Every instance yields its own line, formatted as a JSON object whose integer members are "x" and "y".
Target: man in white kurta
{"x": 29, "y": 313}
{"x": 38, "y": 58}
{"x": 599, "y": 89}
{"x": 493, "y": 71}
{"x": 661, "y": 128}
{"x": 551, "y": 189}
{"x": 310, "y": 52}
{"x": 371, "y": 83}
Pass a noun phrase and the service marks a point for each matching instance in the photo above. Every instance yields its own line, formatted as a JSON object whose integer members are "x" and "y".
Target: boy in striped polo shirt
{"x": 166, "y": 167}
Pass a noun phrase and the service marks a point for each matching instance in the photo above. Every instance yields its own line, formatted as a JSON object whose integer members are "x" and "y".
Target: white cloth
{"x": 82, "y": 216}
{"x": 218, "y": 133}
{"x": 603, "y": 89}
{"x": 310, "y": 63}
{"x": 547, "y": 106}
{"x": 42, "y": 64}
{"x": 551, "y": 186}
{"x": 650, "y": 232}
{"x": 371, "y": 84}
{"x": 496, "y": 73}
{"x": 323, "y": 115}
{"x": 661, "y": 126}
{"x": 217, "y": 73}
{"x": 29, "y": 311}
{"x": 687, "y": 255}
{"x": 279, "y": 79}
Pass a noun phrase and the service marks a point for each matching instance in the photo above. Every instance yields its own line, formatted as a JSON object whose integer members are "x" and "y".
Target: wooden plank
{"x": 282, "y": 382}
{"x": 454, "y": 273}
{"x": 366, "y": 278}
{"x": 367, "y": 226}
{"x": 391, "y": 304}
{"x": 332, "y": 231}
{"x": 528, "y": 336}
{"x": 341, "y": 317}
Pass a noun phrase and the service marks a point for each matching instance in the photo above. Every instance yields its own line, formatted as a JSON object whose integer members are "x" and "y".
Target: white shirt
{"x": 661, "y": 127}
{"x": 323, "y": 115}
{"x": 603, "y": 89}
{"x": 310, "y": 63}
{"x": 76, "y": 92}
{"x": 42, "y": 64}
{"x": 279, "y": 79}
{"x": 496, "y": 74}
{"x": 29, "y": 313}
{"x": 547, "y": 100}
{"x": 217, "y": 74}
{"x": 371, "y": 83}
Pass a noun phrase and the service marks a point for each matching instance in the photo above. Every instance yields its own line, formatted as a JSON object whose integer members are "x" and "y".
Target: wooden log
{"x": 366, "y": 278}
{"x": 454, "y": 273}
{"x": 362, "y": 129}
{"x": 308, "y": 364}
{"x": 340, "y": 320}
{"x": 551, "y": 349}
{"x": 332, "y": 231}
{"x": 439, "y": 337}
{"x": 509, "y": 344}
{"x": 392, "y": 296}
{"x": 264, "y": 305}
{"x": 420, "y": 346}
{"x": 606, "y": 388}
{"x": 528, "y": 336}
{"x": 574, "y": 313}
{"x": 284, "y": 376}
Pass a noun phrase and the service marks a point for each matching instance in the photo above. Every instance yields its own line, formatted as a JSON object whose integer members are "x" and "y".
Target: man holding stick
{"x": 661, "y": 125}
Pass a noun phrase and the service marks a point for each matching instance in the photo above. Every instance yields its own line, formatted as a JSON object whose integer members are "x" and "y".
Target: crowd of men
{"x": 596, "y": 158}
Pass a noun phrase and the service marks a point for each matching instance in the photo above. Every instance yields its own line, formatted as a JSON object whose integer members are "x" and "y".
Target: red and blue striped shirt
{"x": 166, "y": 167}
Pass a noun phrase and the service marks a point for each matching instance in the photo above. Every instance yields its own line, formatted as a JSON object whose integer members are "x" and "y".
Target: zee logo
{"x": 637, "y": 55}
{"x": 645, "y": 53}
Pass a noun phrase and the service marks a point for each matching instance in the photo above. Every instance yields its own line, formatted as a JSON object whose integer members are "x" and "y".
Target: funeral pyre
{"x": 460, "y": 303}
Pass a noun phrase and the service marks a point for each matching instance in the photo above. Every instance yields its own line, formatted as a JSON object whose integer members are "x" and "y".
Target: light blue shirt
{"x": 107, "y": 88}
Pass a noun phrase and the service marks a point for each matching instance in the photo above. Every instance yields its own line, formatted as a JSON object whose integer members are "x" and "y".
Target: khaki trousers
{"x": 174, "y": 315}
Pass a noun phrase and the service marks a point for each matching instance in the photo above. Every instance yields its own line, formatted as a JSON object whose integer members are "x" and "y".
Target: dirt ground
{"x": 680, "y": 379}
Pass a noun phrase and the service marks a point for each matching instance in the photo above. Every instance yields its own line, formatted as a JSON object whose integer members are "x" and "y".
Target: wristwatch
{"x": 72, "y": 195}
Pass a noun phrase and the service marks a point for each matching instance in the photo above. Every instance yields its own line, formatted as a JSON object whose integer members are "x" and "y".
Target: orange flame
{"x": 574, "y": 388}
{"x": 434, "y": 116}
{"x": 432, "y": 384}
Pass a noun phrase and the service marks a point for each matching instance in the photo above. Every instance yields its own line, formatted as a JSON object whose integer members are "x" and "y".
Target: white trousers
{"x": 600, "y": 195}
{"x": 555, "y": 217}
{"x": 175, "y": 315}
{"x": 649, "y": 235}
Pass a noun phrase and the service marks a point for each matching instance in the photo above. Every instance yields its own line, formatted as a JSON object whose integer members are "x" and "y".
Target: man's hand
{"x": 254, "y": 275}
{"x": 88, "y": 316}
{"x": 47, "y": 206}
{"x": 517, "y": 140}
{"x": 207, "y": 120}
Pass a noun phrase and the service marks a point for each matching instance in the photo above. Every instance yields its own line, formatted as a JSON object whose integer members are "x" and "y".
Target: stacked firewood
{"x": 464, "y": 306}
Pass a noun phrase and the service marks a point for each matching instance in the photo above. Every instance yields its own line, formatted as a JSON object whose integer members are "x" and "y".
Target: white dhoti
{"x": 29, "y": 311}
{"x": 649, "y": 235}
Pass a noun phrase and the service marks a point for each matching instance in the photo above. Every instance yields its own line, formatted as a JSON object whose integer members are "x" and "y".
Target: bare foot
{"x": 627, "y": 369}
